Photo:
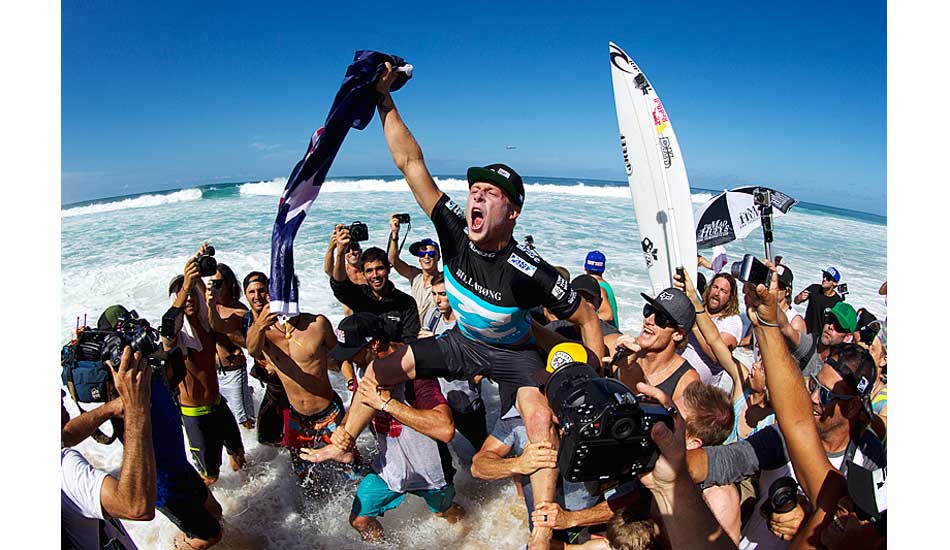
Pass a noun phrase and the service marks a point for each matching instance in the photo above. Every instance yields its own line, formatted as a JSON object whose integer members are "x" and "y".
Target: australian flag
{"x": 353, "y": 107}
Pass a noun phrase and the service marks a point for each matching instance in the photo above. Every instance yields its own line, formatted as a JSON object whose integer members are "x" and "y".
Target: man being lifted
{"x": 492, "y": 283}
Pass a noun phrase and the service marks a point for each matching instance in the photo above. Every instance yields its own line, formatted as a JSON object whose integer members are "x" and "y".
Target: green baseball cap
{"x": 110, "y": 316}
{"x": 845, "y": 314}
{"x": 501, "y": 175}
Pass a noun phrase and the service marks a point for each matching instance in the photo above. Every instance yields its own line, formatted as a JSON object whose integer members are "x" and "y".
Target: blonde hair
{"x": 628, "y": 531}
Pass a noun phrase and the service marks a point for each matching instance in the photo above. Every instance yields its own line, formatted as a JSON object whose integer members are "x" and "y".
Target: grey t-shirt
{"x": 421, "y": 293}
{"x": 806, "y": 345}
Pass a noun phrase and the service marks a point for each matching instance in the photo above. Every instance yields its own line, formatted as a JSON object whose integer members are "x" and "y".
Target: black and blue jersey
{"x": 492, "y": 292}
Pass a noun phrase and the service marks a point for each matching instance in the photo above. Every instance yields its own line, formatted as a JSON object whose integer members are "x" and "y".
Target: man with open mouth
{"x": 492, "y": 282}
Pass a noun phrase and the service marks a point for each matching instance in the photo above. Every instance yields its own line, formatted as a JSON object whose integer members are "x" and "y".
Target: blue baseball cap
{"x": 595, "y": 261}
{"x": 833, "y": 273}
{"x": 414, "y": 247}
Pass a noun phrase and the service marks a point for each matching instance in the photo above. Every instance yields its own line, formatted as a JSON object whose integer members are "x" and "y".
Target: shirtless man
{"x": 298, "y": 350}
{"x": 208, "y": 421}
{"x": 225, "y": 312}
{"x": 667, "y": 320}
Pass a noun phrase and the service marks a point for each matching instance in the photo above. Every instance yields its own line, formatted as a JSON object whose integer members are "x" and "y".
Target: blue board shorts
{"x": 374, "y": 498}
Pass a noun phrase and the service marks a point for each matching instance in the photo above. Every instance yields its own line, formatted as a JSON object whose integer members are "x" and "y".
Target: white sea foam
{"x": 275, "y": 187}
{"x": 142, "y": 201}
{"x": 115, "y": 258}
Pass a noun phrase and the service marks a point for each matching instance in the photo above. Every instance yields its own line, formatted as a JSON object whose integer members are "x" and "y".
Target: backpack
{"x": 87, "y": 377}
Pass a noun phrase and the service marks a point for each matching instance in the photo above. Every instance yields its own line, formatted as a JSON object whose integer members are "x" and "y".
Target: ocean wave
{"x": 275, "y": 187}
{"x": 142, "y": 201}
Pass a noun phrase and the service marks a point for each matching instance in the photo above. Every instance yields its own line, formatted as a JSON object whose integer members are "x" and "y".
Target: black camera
{"x": 868, "y": 332}
{"x": 762, "y": 197}
{"x": 402, "y": 218}
{"x": 129, "y": 331}
{"x": 207, "y": 265}
{"x": 783, "y": 496}
{"x": 751, "y": 270}
{"x": 359, "y": 232}
{"x": 841, "y": 289}
{"x": 605, "y": 427}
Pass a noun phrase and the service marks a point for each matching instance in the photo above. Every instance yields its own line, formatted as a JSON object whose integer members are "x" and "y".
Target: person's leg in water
{"x": 184, "y": 542}
{"x": 539, "y": 423}
{"x": 387, "y": 371}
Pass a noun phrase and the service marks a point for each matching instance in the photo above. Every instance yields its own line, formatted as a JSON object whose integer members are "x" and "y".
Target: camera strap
{"x": 406, "y": 236}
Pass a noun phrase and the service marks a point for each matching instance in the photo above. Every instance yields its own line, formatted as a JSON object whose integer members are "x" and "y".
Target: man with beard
{"x": 492, "y": 283}
{"x": 420, "y": 278}
{"x": 297, "y": 351}
{"x": 838, "y": 401}
{"x": 209, "y": 423}
{"x": 379, "y": 295}
{"x": 721, "y": 300}
{"x": 225, "y": 314}
{"x": 838, "y": 327}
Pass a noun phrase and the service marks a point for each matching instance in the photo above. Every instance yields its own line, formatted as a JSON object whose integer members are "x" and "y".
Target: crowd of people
{"x": 778, "y": 434}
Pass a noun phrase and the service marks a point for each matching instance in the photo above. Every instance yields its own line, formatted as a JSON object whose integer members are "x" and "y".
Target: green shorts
{"x": 374, "y": 498}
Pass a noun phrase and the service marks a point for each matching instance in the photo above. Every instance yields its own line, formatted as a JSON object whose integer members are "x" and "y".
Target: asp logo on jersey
{"x": 522, "y": 265}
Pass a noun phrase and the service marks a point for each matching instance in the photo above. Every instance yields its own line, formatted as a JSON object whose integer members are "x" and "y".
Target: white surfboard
{"x": 656, "y": 173}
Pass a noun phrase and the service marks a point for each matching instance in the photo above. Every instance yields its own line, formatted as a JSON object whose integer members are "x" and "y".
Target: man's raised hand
{"x": 133, "y": 381}
{"x": 386, "y": 79}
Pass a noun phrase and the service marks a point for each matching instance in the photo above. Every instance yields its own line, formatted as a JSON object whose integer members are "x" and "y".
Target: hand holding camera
{"x": 682, "y": 281}
{"x": 395, "y": 220}
{"x": 133, "y": 381}
{"x": 670, "y": 466}
{"x": 762, "y": 301}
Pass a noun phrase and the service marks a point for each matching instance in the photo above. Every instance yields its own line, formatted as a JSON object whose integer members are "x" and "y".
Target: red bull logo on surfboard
{"x": 660, "y": 119}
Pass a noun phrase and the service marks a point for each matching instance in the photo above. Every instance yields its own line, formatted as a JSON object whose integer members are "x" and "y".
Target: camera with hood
{"x": 605, "y": 427}
{"x": 359, "y": 232}
{"x": 207, "y": 265}
{"x": 751, "y": 270}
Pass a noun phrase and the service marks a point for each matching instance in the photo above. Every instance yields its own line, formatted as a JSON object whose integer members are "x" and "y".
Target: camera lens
{"x": 783, "y": 495}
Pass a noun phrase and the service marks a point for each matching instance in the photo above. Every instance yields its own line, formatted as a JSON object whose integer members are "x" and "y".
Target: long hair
{"x": 732, "y": 306}
{"x": 230, "y": 280}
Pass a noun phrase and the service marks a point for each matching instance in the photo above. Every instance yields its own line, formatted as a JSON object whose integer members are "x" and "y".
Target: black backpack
{"x": 88, "y": 379}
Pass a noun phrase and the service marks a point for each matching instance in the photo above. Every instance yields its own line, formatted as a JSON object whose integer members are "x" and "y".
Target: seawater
{"x": 126, "y": 250}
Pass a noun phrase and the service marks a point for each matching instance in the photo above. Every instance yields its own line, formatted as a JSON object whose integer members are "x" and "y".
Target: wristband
{"x": 763, "y": 323}
{"x": 383, "y": 408}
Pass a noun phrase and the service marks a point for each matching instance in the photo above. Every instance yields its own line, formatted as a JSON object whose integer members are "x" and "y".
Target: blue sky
{"x": 168, "y": 95}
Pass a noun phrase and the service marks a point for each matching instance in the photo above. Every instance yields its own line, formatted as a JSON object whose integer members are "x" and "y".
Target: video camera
{"x": 358, "y": 231}
{"x": 841, "y": 289}
{"x": 85, "y": 359}
{"x": 605, "y": 427}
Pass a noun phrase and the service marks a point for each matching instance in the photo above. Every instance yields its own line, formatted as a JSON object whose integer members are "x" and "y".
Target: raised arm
{"x": 132, "y": 496}
{"x": 586, "y": 319}
{"x": 793, "y": 409}
{"x": 709, "y": 331}
{"x": 392, "y": 250}
{"x": 403, "y": 146}
{"x": 331, "y": 248}
{"x": 81, "y": 427}
{"x": 338, "y": 269}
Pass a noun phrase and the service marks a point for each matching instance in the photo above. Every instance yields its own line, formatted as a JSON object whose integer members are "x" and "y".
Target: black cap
{"x": 414, "y": 247}
{"x": 354, "y": 332}
{"x": 588, "y": 285}
{"x": 109, "y": 317}
{"x": 785, "y": 276}
{"x": 676, "y": 305}
{"x": 501, "y": 175}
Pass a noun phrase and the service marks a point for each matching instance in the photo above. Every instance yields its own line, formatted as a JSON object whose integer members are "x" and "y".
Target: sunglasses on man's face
{"x": 217, "y": 284}
{"x": 825, "y": 395}
{"x": 830, "y": 319}
{"x": 425, "y": 253}
{"x": 660, "y": 318}
{"x": 827, "y": 277}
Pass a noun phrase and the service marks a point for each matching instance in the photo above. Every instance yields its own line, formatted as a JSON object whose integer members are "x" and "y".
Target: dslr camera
{"x": 358, "y": 231}
{"x": 751, "y": 270}
{"x": 783, "y": 497}
{"x": 207, "y": 265}
{"x": 605, "y": 427}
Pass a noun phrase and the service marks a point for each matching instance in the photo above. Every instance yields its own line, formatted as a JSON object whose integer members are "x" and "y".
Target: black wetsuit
{"x": 272, "y": 416}
{"x": 491, "y": 293}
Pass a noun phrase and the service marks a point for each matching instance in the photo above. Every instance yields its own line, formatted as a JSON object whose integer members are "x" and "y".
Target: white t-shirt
{"x": 81, "y": 507}
{"x": 421, "y": 293}
{"x": 708, "y": 368}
